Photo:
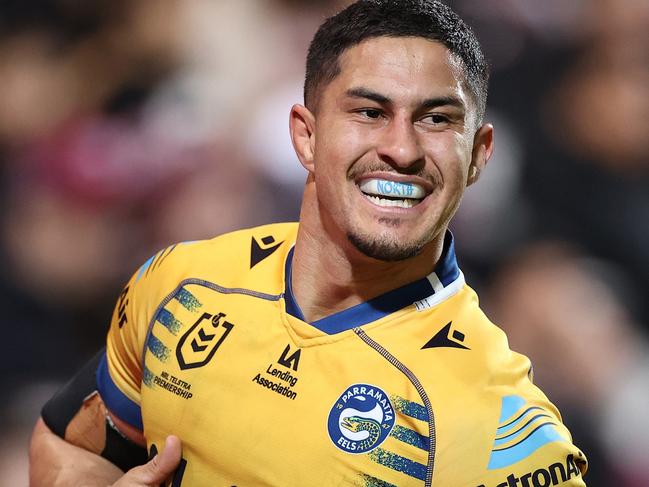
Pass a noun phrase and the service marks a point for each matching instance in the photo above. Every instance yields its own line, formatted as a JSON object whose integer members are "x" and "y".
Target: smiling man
{"x": 343, "y": 350}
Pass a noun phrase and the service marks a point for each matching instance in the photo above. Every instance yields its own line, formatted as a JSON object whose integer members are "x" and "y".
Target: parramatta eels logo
{"x": 361, "y": 419}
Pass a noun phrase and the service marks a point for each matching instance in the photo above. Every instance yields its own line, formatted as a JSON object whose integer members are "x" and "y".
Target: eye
{"x": 435, "y": 119}
{"x": 371, "y": 113}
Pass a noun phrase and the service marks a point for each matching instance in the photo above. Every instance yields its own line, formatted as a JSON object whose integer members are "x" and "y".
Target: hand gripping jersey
{"x": 412, "y": 388}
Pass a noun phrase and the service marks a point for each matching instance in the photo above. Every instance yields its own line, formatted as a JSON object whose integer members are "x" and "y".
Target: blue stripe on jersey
{"x": 505, "y": 428}
{"x": 144, "y": 267}
{"x": 409, "y": 408}
{"x": 510, "y": 405}
{"x": 148, "y": 377}
{"x": 116, "y": 401}
{"x": 398, "y": 463}
{"x": 447, "y": 271}
{"x": 169, "y": 321}
{"x": 526, "y": 438}
{"x": 369, "y": 481}
{"x": 410, "y": 437}
{"x": 501, "y": 440}
{"x": 166, "y": 253}
{"x": 540, "y": 436}
{"x": 187, "y": 299}
{"x": 157, "y": 348}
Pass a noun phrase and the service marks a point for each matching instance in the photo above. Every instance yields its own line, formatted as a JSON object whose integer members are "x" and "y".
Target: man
{"x": 345, "y": 350}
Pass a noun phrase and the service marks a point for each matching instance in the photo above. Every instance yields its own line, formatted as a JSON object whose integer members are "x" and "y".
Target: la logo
{"x": 292, "y": 361}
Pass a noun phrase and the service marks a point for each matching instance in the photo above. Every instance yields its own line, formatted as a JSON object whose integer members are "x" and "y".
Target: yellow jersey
{"x": 413, "y": 388}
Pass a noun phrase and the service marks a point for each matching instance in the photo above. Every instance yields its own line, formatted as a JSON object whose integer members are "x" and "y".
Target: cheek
{"x": 452, "y": 158}
{"x": 338, "y": 148}
{"x": 329, "y": 168}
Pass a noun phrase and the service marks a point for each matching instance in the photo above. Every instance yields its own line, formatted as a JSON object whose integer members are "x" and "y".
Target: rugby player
{"x": 345, "y": 349}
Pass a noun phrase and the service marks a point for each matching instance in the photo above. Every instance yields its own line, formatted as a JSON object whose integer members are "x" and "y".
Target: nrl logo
{"x": 199, "y": 344}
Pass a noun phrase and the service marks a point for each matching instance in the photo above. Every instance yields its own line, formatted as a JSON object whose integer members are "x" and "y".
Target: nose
{"x": 399, "y": 145}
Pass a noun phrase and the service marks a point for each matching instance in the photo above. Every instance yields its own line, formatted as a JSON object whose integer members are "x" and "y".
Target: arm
{"x": 79, "y": 442}
{"x": 55, "y": 462}
{"x": 81, "y": 439}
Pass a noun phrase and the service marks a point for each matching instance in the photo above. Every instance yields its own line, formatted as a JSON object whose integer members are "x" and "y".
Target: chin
{"x": 384, "y": 248}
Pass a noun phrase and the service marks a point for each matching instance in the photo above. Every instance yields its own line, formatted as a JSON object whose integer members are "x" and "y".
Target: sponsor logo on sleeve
{"x": 522, "y": 430}
{"x": 555, "y": 474}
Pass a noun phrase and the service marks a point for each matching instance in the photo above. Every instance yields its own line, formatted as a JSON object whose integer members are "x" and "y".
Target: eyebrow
{"x": 442, "y": 101}
{"x": 439, "y": 101}
{"x": 369, "y": 94}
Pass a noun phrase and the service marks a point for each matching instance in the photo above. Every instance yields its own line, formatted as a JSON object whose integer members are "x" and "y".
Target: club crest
{"x": 360, "y": 419}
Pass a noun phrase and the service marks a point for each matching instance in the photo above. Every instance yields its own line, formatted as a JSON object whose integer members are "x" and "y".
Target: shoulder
{"x": 489, "y": 364}
{"x": 530, "y": 442}
{"x": 488, "y": 342}
{"x": 529, "y": 437}
{"x": 226, "y": 259}
{"x": 252, "y": 259}
{"x": 243, "y": 248}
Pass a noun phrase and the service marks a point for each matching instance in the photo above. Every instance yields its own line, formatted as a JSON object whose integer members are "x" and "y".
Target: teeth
{"x": 382, "y": 187}
{"x": 405, "y": 203}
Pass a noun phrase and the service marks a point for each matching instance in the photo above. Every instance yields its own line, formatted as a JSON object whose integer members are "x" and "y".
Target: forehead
{"x": 401, "y": 68}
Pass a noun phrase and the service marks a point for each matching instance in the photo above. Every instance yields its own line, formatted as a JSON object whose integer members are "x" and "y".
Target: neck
{"x": 329, "y": 277}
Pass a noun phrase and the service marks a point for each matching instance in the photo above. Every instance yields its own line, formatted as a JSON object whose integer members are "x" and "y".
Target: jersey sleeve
{"x": 532, "y": 446}
{"x": 119, "y": 374}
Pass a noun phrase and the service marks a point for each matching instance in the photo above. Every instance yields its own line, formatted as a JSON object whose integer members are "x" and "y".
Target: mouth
{"x": 386, "y": 193}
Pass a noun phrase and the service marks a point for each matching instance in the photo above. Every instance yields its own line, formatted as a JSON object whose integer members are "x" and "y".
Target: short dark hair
{"x": 365, "y": 19}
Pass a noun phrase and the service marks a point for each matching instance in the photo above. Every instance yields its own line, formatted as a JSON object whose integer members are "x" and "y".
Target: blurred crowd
{"x": 127, "y": 126}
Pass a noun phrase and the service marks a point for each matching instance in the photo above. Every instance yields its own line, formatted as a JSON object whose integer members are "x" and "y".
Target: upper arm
{"x": 99, "y": 409}
{"x": 121, "y": 371}
{"x": 78, "y": 414}
{"x": 54, "y": 462}
{"x": 531, "y": 443}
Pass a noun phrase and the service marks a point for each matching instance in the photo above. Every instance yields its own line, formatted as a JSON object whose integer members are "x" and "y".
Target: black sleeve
{"x": 66, "y": 403}
{"x": 121, "y": 451}
{"x": 62, "y": 407}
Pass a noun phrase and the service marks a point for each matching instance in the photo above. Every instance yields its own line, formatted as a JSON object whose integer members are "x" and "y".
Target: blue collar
{"x": 423, "y": 293}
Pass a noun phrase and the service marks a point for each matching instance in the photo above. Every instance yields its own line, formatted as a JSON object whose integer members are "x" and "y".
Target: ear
{"x": 483, "y": 147}
{"x": 302, "y": 128}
